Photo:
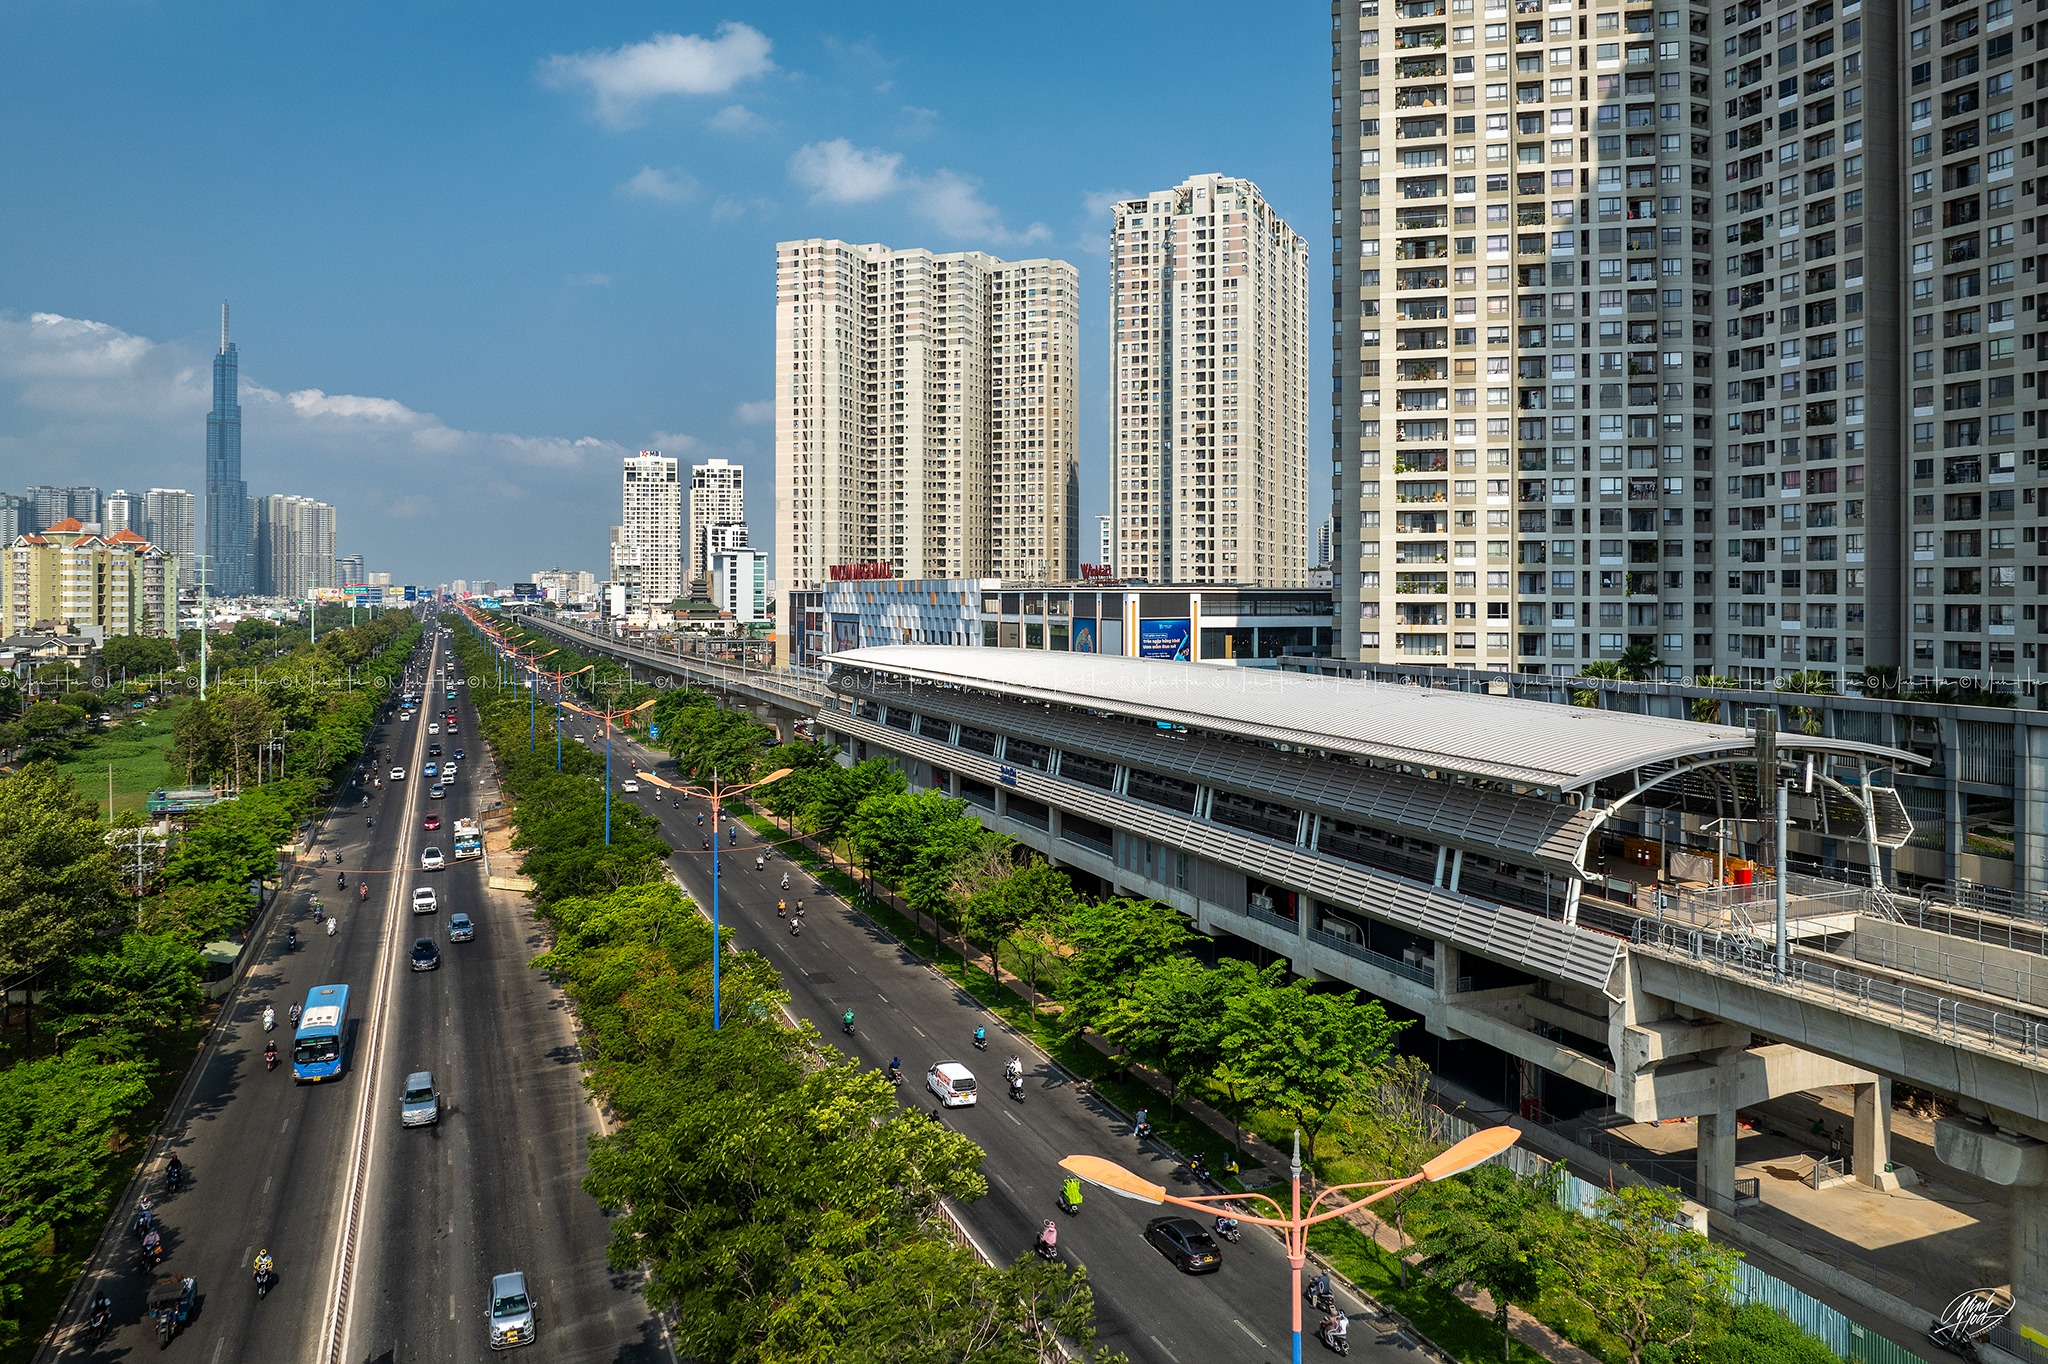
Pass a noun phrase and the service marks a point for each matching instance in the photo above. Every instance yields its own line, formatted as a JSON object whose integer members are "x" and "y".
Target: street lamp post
{"x": 1293, "y": 1223}
{"x": 716, "y": 794}
{"x": 559, "y": 679}
{"x": 608, "y": 716}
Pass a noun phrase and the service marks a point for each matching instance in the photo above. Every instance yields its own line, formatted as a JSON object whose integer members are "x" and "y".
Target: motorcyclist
{"x": 1070, "y": 1194}
{"x": 846, "y": 1021}
{"x": 1319, "y": 1290}
{"x": 269, "y": 1017}
{"x": 1226, "y": 1226}
{"x": 980, "y": 1036}
{"x": 895, "y": 1070}
{"x": 174, "y": 1172}
{"x": 152, "y": 1246}
{"x": 1048, "y": 1238}
{"x": 781, "y": 908}
{"x": 785, "y": 880}
{"x": 760, "y": 863}
{"x": 317, "y": 911}
{"x": 265, "y": 1267}
{"x": 291, "y": 937}
{"x": 334, "y": 925}
{"x": 1142, "y": 1128}
{"x": 1336, "y": 1326}
{"x": 144, "y": 1218}
{"x": 1013, "y": 1068}
{"x": 341, "y": 880}
{"x": 1199, "y": 1167}
{"x": 362, "y": 890}
{"x": 369, "y": 824}
{"x": 291, "y": 1015}
{"x": 799, "y": 906}
{"x": 700, "y": 819}
{"x": 270, "y": 1055}
{"x": 795, "y": 926}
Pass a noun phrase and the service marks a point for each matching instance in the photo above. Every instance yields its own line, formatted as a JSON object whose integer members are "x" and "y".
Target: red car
{"x": 431, "y": 822}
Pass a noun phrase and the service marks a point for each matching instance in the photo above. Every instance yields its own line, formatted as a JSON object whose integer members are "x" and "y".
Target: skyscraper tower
{"x": 227, "y": 496}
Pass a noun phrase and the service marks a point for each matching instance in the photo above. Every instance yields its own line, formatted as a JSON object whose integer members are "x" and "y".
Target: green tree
{"x": 1807, "y": 683}
{"x": 137, "y": 655}
{"x": 1639, "y": 662}
{"x": 1706, "y": 710}
{"x": 1604, "y": 669}
{"x": 49, "y": 729}
{"x": 1023, "y": 901}
{"x": 1492, "y": 1230}
{"x": 145, "y": 983}
{"x": 1306, "y": 1052}
{"x": 197, "y": 912}
{"x": 1645, "y": 1279}
{"x": 56, "y": 1116}
{"x": 1879, "y": 682}
{"x": 1113, "y": 941}
{"x": 59, "y": 887}
{"x": 1172, "y": 1016}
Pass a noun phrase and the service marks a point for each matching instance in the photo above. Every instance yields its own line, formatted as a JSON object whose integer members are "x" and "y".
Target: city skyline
{"x": 608, "y": 296}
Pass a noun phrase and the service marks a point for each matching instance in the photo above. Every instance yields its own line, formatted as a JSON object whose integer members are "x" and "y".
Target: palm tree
{"x": 1605, "y": 670}
{"x": 1879, "y": 682}
{"x": 1807, "y": 683}
{"x": 1639, "y": 662}
{"x": 1706, "y": 709}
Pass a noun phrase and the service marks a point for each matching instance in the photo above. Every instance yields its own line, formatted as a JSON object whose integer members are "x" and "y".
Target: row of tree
{"x": 782, "y": 1203}
{"x": 1629, "y": 1277}
{"x": 109, "y": 974}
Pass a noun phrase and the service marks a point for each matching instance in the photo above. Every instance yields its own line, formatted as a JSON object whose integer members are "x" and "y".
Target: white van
{"x": 952, "y": 1083}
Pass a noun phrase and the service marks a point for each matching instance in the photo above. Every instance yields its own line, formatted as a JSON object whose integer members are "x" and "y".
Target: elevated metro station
{"x": 1587, "y": 892}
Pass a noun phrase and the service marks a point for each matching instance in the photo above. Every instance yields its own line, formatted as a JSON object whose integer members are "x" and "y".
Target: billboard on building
{"x": 1164, "y": 639}
{"x": 1084, "y": 636}
{"x": 411, "y": 593}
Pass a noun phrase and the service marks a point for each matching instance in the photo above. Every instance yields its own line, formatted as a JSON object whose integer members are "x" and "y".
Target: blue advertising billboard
{"x": 1164, "y": 639}
{"x": 411, "y": 593}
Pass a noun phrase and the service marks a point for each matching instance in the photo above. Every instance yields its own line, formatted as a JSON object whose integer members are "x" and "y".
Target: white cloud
{"x": 84, "y": 401}
{"x": 738, "y": 118}
{"x": 1095, "y": 206}
{"x": 837, "y": 172}
{"x": 622, "y": 80}
{"x": 753, "y": 414}
{"x": 662, "y": 186}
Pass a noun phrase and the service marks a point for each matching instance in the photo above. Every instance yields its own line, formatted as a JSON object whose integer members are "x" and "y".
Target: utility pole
{"x": 205, "y": 588}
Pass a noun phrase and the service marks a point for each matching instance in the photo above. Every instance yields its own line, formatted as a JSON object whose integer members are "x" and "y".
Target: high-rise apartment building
{"x": 1105, "y": 535}
{"x": 167, "y": 517}
{"x": 233, "y": 570}
{"x": 1209, "y": 408}
{"x": 718, "y": 497}
{"x": 1690, "y": 332}
{"x": 15, "y": 512}
{"x": 349, "y": 570}
{"x": 925, "y": 413}
{"x": 47, "y": 506}
{"x": 120, "y": 510}
{"x": 651, "y": 528}
{"x": 293, "y": 539}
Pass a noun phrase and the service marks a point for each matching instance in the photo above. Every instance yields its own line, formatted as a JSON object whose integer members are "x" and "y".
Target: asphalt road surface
{"x": 400, "y": 1228}
{"x": 1145, "y": 1307}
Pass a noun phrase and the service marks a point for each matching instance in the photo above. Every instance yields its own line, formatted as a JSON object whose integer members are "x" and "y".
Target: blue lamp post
{"x": 716, "y": 793}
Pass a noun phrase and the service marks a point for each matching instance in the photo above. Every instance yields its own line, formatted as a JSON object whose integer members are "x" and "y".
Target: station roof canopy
{"x": 1530, "y": 743}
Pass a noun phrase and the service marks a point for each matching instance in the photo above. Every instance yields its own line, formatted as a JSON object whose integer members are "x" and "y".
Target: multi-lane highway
{"x": 385, "y": 1238}
{"x": 1144, "y": 1306}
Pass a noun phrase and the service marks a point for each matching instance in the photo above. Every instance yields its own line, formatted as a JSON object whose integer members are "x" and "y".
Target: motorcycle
{"x": 266, "y": 1279}
{"x": 334, "y": 925}
{"x": 1047, "y": 1249}
{"x": 1319, "y": 1295}
{"x": 270, "y": 1058}
{"x": 318, "y": 913}
{"x": 291, "y": 1016}
{"x": 152, "y": 1250}
{"x": 269, "y": 1018}
{"x": 795, "y": 927}
{"x": 1337, "y": 1341}
{"x": 1017, "y": 1088}
{"x": 1070, "y": 1200}
{"x": 291, "y": 939}
{"x": 980, "y": 1040}
{"x": 1228, "y": 1228}
{"x": 341, "y": 880}
{"x": 101, "y": 1319}
{"x": 1198, "y": 1169}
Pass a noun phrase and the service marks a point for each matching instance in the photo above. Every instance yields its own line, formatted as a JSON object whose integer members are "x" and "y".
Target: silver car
{"x": 512, "y": 1312}
{"x": 419, "y": 1104}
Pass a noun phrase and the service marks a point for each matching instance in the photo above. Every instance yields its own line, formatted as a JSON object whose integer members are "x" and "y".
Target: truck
{"x": 469, "y": 840}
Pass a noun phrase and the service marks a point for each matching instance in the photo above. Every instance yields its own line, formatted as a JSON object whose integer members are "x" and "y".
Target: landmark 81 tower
{"x": 227, "y": 496}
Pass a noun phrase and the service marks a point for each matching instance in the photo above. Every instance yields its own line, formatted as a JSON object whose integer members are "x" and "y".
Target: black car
{"x": 427, "y": 957}
{"x": 1184, "y": 1241}
{"x": 433, "y": 750}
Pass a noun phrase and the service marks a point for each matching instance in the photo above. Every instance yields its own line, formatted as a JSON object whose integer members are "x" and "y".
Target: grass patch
{"x": 1447, "y": 1320}
{"x": 139, "y": 752}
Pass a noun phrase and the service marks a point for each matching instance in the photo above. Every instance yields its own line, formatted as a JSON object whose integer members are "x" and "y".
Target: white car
{"x": 431, "y": 860}
{"x": 448, "y": 774}
{"x": 423, "y": 901}
{"x": 398, "y": 774}
{"x": 631, "y": 788}
{"x": 433, "y": 729}
{"x": 952, "y": 1082}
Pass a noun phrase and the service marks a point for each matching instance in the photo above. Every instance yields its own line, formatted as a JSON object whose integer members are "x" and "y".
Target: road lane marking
{"x": 1248, "y": 1331}
{"x": 364, "y": 1138}
{"x": 1162, "y": 1345}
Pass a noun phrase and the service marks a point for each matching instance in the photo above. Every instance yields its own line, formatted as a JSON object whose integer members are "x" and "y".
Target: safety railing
{"x": 1943, "y": 1017}
{"x": 1421, "y": 975}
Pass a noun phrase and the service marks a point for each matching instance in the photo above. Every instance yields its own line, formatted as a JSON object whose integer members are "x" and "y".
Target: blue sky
{"x": 478, "y": 251}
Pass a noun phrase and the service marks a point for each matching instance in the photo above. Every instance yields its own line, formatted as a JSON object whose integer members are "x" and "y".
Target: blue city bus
{"x": 319, "y": 1048}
